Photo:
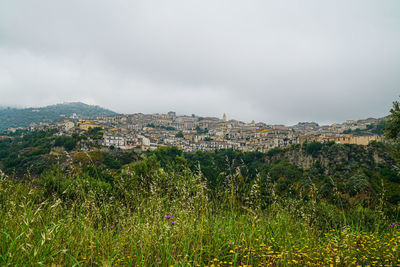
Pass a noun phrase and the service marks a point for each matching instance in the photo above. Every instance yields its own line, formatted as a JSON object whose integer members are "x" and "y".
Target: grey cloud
{"x": 272, "y": 61}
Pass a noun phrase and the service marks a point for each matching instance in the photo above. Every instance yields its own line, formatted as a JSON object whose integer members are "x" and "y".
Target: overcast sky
{"x": 271, "y": 61}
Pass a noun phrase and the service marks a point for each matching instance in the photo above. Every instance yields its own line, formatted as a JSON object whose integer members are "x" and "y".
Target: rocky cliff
{"x": 333, "y": 157}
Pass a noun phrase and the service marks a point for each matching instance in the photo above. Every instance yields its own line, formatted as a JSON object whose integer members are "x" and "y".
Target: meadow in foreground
{"x": 77, "y": 220}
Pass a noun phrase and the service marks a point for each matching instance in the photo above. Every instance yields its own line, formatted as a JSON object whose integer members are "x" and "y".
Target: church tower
{"x": 224, "y": 117}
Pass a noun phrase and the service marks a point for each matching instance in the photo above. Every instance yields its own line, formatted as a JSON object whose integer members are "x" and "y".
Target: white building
{"x": 115, "y": 140}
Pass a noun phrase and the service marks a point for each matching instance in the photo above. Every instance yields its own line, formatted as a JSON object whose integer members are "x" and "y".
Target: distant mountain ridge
{"x": 17, "y": 117}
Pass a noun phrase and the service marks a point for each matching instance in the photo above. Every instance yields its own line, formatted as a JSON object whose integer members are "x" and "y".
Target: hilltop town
{"x": 191, "y": 133}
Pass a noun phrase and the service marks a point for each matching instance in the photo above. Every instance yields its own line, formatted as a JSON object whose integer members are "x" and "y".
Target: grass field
{"x": 42, "y": 227}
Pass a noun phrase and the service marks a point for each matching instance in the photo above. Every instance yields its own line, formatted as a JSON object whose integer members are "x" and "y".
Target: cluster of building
{"x": 191, "y": 133}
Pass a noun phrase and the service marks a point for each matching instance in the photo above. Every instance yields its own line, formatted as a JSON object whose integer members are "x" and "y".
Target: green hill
{"x": 15, "y": 117}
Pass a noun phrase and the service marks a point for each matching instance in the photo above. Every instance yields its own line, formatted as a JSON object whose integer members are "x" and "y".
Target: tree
{"x": 95, "y": 133}
{"x": 179, "y": 135}
{"x": 313, "y": 148}
{"x": 357, "y": 183}
{"x": 67, "y": 142}
{"x": 380, "y": 127}
{"x": 392, "y": 128}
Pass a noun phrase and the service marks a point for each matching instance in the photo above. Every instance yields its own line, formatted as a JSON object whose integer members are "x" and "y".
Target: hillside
{"x": 15, "y": 117}
{"x": 360, "y": 173}
{"x": 222, "y": 208}
{"x": 66, "y": 200}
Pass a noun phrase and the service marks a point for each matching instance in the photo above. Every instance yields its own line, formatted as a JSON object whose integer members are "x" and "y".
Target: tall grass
{"x": 150, "y": 217}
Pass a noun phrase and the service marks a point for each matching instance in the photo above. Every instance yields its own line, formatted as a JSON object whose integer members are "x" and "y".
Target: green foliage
{"x": 223, "y": 167}
{"x": 274, "y": 151}
{"x": 201, "y": 131}
{"x": 226, "y": 208}
{"x": 221, "y": 202}
{"x": 146, "y": 215}
{"x": 75, "y": 188}
{"x": 95, "y": 133}
{"x": 67, "y": 142}
{"x": 392, "y": 129}
{"x": 284, "y": 169}
{"x": 348, "y": 131}
{"x": 389, "y": 174}
{"x": 379, "y": 128}
{"x": 285, "y": 175}
{"x": 111, "y": 163}
{"x": 179, "y": 134}
{"x": 13, "y": 117}
{"x": 168, "y": 156}
{"x": 168, "y": 128}
{"x": 144, "y": 172}
{"x": 313, "y": 148}
{"x": 228, "y": 174}
{"x": 120, "y": 158}
{"x": 370, "y": 129}
{"x": 30, "y": 153}
{"x": 26, "y": 153}
{"x": 393, "y": 125}
{"x": 357, "y": 183}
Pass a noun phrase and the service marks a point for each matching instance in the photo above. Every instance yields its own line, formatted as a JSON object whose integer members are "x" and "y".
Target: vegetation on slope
{"x": 15, "y": 117}
{"x": 225, "y": 208}
{"x": 145, "y": 214}
{"x": 370, "y": 129}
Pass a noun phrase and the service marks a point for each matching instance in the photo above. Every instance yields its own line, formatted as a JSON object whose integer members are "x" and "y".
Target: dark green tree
{"x": 179, "y": 135}
{"x": 357, "y": 183}
{"x": 392, "y": 128}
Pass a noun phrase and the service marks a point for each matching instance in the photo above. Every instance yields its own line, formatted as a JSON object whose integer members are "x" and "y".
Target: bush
{"x": 313, "y": 148}
{"x": 357, "y": 183}
{"x": 65, "y": 141}
{"x": 274, "y": 151}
